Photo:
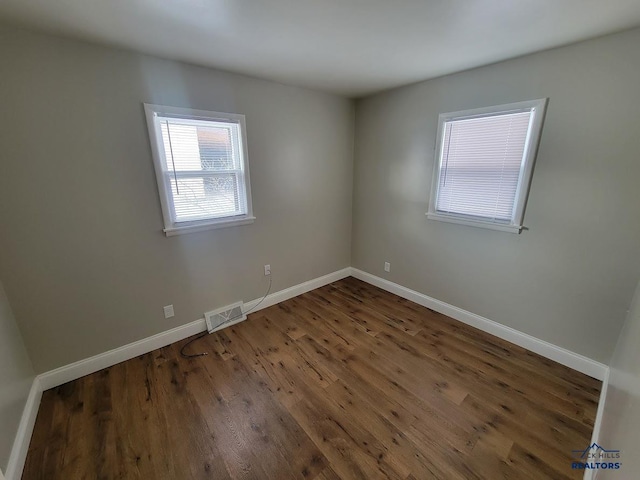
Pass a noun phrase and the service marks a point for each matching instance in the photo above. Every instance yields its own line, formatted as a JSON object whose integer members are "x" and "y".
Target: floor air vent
{"x": 225, "y": 315}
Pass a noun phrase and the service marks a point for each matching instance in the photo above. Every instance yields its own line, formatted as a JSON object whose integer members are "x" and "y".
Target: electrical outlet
{"x": 168, "y": 311}
{"x": 267, "y": 270}
{"x": 387, "y": 267}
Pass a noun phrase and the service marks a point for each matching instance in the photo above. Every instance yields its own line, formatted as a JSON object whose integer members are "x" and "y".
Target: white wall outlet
{"x": 387, "y": 267}
{"x": 168, "y": 311}
{"x": 267, "y": 270}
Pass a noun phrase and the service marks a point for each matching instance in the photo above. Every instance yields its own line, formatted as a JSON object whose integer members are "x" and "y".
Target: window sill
{"x": 475, "y": 223}
{"x": 207, "y": 225}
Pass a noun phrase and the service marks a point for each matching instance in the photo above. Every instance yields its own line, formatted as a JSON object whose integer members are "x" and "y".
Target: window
{"x": 484, "y": 164}
{"x": 201, "y": 166}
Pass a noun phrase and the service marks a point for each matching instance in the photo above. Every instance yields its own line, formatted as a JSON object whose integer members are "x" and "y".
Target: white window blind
{"x": 485, "y": 164}
{"x": 201, "y": 166}
{"x": 481, "y": 164}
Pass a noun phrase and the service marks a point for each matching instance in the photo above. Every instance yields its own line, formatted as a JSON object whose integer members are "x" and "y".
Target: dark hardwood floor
{"x": 344, "y": 382}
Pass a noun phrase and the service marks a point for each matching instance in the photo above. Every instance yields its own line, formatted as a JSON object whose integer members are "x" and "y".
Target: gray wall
{"x": 16, "y": 377}
{"x": 88, "y": 268}
{"x": 621, "y": 421}
{"x": 569, "y": 278}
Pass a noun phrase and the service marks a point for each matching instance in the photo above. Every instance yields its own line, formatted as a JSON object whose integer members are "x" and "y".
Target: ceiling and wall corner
{"x": 92, "y": 241}
{"x": 352, "y": 47}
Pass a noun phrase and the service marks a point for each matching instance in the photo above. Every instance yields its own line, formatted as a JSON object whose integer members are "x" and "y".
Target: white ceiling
{"x": 350, "y": 47}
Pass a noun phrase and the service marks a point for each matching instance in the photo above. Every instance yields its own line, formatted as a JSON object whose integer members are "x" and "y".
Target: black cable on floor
{"x": 205, "y": 333}
{"x": 193, "y": 355}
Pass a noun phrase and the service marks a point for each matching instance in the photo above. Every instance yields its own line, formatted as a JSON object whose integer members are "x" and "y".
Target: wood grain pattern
{"x": 344, "y": 382}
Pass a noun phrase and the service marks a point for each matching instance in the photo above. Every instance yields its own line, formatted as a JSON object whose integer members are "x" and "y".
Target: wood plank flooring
{"x": 344, "y": 382}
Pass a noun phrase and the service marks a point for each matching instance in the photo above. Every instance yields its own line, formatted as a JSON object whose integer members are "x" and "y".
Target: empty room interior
{"x": 319, "y": 240}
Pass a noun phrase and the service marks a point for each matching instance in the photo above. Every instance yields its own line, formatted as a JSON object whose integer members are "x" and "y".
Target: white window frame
{"x": 171, "y": 227}
{"x": 538, "y": 108}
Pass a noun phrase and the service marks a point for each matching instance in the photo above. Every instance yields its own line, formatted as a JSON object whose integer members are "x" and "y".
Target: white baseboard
{"x": 78, "y": 369}
{"x": 23, "y": 437}
{"x": 282, "y": 295}
{"x": 553, "y": 352}
{"x": 299, "y": 289}
{"x": 597, "y": 425}
{"x": 93, "y": 364}
{"x": 73, "y": 371}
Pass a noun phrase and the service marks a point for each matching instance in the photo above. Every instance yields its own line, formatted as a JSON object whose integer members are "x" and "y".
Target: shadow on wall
{"x": 621, "y": 420}
{"x": 16, "y": 377}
